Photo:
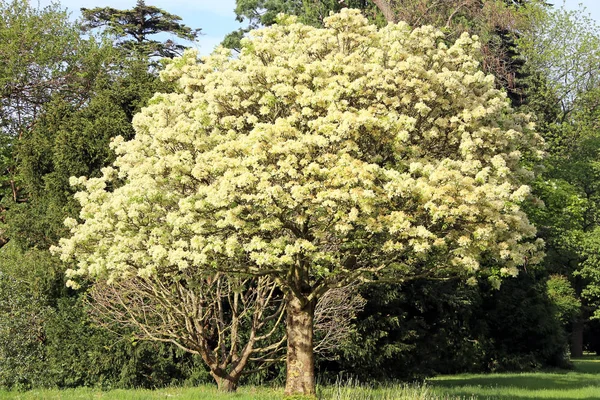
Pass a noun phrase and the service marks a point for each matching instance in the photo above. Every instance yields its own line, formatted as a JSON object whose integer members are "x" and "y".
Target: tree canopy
{"x": 563, "y": 46}
{"x": 42, "y": 55}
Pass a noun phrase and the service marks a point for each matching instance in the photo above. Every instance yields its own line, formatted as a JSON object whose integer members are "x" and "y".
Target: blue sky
{"x": 216, "y": 17}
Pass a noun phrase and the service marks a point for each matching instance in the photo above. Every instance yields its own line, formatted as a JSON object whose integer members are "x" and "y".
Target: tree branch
{"x": 386, "y": 8}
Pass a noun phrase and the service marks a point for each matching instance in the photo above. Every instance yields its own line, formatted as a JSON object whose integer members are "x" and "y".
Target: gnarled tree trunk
{"x": 300, "y": 378}
{"x": 226, "y": 383}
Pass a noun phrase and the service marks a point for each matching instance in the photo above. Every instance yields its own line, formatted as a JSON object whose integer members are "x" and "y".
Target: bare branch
{"x": 334, "y": 314}
{"x": 201, "y": 315}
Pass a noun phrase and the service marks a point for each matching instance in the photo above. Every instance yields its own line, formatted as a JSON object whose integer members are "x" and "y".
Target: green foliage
{"x": 42, "y": 55}
{"x": 85, "y": 94}
{"x": 521, "y": 327}
{"x": 562, "y": 294}
{"x": 80, "y": 354}
{"x": 22, "y": 320}
{"x": 47, "y": 339}
{"x": 68, "y": 141}
{"x": 563, "y": 47}
{"x": 406, "y": 331}
{"x": 133, "y": 29}
{"x": 259, "y": 13}
{"x": 424, "y": 328}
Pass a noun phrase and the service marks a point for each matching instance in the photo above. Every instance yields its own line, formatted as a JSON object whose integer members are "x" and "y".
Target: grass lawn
{"x": 210, "y": 393}
{"x": 202, "y": 392}
{"x": 581, "y": 383}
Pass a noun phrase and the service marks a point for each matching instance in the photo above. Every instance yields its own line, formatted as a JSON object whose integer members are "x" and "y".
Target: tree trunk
{"x": 577, "y": 339}
{"x": 300, "y": 378}
{"x": 226, "y": 383}
{"x": 386, "y": 9}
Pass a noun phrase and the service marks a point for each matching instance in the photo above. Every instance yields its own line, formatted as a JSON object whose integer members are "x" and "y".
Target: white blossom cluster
{"x": 351, "y": 150}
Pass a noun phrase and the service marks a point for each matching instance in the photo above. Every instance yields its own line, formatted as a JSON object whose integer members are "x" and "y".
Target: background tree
{"x": 133, "y": 29}
{"x": 425, "y": 328}
{"x": 282, "y": 163}
{"x": 42, "y": 54}
{"x": 563, "y": 46}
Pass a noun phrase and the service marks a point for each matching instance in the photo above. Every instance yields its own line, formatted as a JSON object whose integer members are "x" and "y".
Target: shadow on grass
{"x": 581, "y": 383}
{"x": 540, "y": 381}
{"x": 587, "y": 365}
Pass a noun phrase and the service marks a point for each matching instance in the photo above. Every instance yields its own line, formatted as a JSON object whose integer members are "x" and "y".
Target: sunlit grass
{"x": 581, "y": 383}
{"x": 347, "y": 391}
{"x": 201, "y": 392}
{"x": 337, "y": 392}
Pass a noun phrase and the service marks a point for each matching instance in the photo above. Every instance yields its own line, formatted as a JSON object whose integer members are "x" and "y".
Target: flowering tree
{"x": 317, "y": 157}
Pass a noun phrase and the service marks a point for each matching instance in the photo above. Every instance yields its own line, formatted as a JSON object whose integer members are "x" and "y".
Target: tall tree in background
{"x": 564, "y": 47}
{"x": 133, "y": 29}
{"x": 43, "y": 58}
{"x": 42, "y": 55}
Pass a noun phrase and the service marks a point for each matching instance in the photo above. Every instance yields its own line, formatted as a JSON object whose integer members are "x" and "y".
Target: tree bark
{"x": 577, "y": 339}
{"x": 300, "y": 378}
{"x": 226, "y": 383}
{"x": 386, "y": 8}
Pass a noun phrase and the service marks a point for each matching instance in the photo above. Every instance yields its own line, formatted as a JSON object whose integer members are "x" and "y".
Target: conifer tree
{"x": 134, "y": 29}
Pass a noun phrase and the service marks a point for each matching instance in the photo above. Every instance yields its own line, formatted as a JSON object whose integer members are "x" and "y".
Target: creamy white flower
{"x": 313, "y": 147}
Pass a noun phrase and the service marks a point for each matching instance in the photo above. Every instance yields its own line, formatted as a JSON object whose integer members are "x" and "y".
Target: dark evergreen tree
{"x": 134, "y": 28}
{"x": 423, "y": 328}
